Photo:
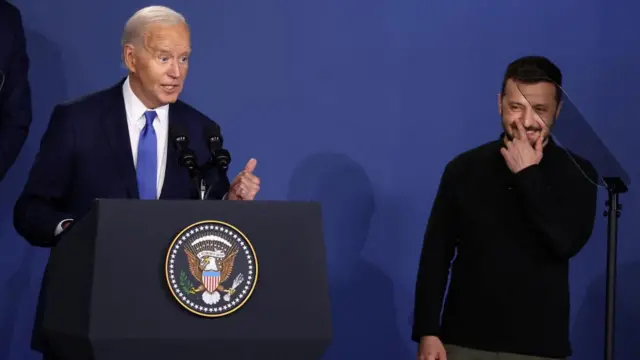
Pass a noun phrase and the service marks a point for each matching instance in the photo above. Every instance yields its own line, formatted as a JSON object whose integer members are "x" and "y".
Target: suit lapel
{"x": 114, "y": 122}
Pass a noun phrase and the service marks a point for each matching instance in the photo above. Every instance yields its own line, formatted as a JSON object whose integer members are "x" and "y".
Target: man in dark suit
{"x": 15, "y": 93}
{"x": 115, "y": 143}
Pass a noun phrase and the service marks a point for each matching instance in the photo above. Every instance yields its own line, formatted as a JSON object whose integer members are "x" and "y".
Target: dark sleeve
{"x": 437, "y": 252}
{"x": 37, "y": 212}
{"x": 15, "y": 98}
{"x": 562, "y": 206}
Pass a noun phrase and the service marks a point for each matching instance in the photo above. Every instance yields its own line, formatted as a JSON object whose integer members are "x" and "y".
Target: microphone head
{"x": 178, "y": 134}
{"x": 213, "y": 137}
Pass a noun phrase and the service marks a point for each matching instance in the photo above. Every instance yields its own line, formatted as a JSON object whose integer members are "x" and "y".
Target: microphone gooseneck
{"x": 187, "y": 157}
{"x": 220, "y": 157}
{"x": 219, "y": 160}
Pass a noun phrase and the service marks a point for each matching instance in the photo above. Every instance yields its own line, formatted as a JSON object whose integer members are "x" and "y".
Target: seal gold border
{"x": 168, "y": 256}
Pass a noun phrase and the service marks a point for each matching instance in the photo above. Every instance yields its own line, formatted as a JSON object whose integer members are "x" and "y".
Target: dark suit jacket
{"x": 15, "y": 93}
{"x": 86, "y": 154}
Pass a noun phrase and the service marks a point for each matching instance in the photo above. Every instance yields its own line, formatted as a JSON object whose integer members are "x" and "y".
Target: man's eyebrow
{"x": 164, "y": 50}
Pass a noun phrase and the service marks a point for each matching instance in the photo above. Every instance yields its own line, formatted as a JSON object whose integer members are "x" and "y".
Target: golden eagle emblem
{"x": 211, "y": 268}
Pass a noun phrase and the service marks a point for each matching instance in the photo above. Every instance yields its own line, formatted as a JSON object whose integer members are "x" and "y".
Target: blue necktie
{"x": 147, "y": 167}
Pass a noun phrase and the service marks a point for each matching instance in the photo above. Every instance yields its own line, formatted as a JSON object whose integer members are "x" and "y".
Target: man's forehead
{"x": 540, "y": 92}
{"x": 168, "y": 47}
{"x": 176, "y": 35}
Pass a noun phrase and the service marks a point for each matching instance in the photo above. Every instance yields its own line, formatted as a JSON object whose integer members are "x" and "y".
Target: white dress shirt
{"x": 135, "y": 122}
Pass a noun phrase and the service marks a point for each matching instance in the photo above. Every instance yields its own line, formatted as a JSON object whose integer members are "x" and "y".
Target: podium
{"x": 137, "y": 279}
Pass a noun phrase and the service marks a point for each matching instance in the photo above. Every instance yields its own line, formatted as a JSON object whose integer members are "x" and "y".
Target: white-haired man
{"x": 115, "y": 143}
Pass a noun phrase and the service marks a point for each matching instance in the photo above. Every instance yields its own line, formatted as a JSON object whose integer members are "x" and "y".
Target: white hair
{"x": 138, "y": 23}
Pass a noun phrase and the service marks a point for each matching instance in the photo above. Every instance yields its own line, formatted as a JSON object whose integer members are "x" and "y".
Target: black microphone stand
{"x": 188, "y": 160}
{"x": 198, "y": 181}
{"x": 200, "y": 184}
{"x": 615, "y": 186}
{"x": 220, "y": 160}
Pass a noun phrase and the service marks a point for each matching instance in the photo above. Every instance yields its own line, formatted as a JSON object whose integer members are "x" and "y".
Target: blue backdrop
{"x": 358, "y": 104}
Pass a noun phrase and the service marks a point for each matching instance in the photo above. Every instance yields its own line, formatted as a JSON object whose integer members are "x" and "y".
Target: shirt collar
{"x": 135, "y": 108}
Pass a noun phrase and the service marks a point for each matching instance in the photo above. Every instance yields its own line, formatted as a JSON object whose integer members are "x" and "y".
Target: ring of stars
{"x": 242, "y": 291}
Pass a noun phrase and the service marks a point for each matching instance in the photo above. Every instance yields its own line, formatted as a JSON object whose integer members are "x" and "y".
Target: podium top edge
{"x": 278, "y": 202}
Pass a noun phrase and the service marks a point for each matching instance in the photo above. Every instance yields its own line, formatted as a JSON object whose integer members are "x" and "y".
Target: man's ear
{"x": 500, "y": 104}
{"x": 129, "y": 58}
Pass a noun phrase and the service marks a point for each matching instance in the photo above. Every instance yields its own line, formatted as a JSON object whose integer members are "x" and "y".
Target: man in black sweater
{"x": 516, "y": 210}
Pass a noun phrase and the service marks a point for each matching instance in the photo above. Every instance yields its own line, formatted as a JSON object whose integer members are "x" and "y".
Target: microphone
{"x": 186, "y": 156}
{"x": 220, "y": 157}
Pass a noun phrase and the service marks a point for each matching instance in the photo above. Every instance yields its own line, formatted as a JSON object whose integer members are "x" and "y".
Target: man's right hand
{"x": 431, "y": 348}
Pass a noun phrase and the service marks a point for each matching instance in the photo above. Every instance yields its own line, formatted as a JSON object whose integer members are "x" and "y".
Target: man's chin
{"x": 168, "y": 99}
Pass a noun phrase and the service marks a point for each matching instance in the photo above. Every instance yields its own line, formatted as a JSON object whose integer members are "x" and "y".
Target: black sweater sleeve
{"x": 561, "y": 205}
{"x": 437, "y": 252}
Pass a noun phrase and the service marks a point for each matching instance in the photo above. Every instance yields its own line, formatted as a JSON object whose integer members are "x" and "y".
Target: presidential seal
{"x": 211, "y": 268}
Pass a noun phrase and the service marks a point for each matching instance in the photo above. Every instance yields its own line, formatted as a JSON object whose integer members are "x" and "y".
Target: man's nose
{"x": 174, "y": 71}
{"x": 530, "y": 119}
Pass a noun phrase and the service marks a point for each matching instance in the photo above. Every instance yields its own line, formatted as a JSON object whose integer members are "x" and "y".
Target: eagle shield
{"x": 210, "y": 280}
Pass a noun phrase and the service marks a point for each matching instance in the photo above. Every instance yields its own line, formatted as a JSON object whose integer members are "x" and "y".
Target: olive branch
{"x": 185, "y": 284}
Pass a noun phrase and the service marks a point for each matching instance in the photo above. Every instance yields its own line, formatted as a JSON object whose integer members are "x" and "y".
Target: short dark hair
{"x": 532, "y": 70}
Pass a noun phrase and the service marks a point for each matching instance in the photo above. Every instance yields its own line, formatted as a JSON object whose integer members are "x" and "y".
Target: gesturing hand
{"x": 246, "y": 185}
{"x": 519, "y": 154}
{"x": 431, "y": 348}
